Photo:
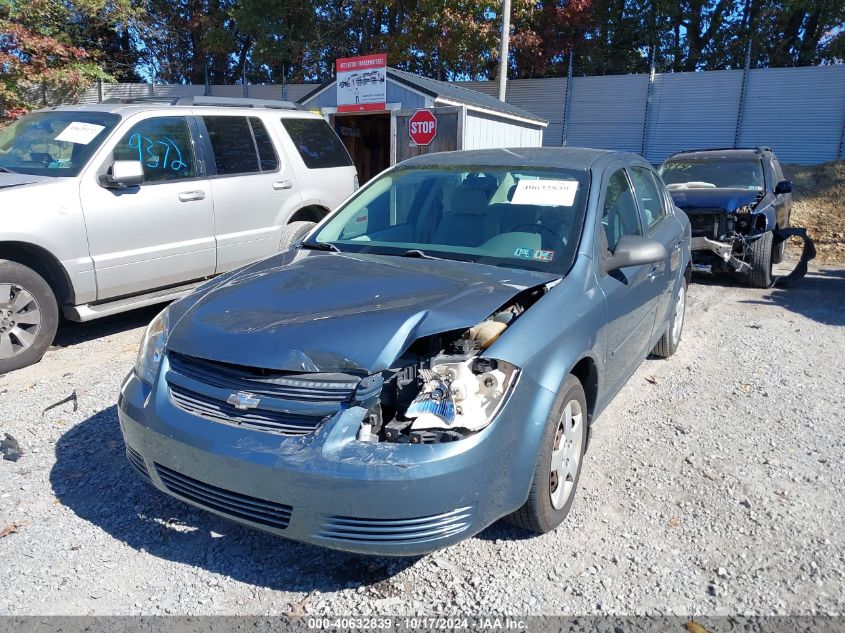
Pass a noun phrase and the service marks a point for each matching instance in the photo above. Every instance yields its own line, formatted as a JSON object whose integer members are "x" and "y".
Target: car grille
{"x": 256, "y": 419}
{"x": 137, "y": 461}
{"x": 233, "y": 504}
{"x": 415, "y": 530}
{"x": 329, "y": 388}
{"x": 287, "y": 403}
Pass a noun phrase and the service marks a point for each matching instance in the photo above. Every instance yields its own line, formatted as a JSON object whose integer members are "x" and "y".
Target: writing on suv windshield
{"x": 518, "y": 217}
{"x": 714, "y": 173}
{"x": 53, "y": 143}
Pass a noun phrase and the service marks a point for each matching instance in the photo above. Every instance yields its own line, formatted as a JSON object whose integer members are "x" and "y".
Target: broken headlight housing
{"x": 152, "y": 347}
{"x": 462, "y": 394}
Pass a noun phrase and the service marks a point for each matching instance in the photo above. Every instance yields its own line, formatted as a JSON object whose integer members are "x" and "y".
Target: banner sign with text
{"x": 361, "y": 83}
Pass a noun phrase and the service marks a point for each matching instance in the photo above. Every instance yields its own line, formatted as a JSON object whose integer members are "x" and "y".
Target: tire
{"x": 29, "y": 316}
{"x": 760, "y": 259}
{"x": 550, "y": 498}
{"x": 294, "y": 232}
{"x": 671, "y": 339}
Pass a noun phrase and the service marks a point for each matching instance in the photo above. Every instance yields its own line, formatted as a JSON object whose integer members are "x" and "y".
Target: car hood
{"x": 16, "y": 180}
{"x": 307, "y": 311}
{"x": 727, "y": 199}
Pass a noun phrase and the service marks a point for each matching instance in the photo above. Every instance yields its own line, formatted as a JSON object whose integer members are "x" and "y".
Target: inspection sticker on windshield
{"x": 535, "y": 254}
{"x": 80, "y": 133}
{"x": 547, "y": 193}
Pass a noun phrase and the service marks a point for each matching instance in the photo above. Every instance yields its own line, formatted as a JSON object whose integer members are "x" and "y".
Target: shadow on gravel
{"x": 92, "y": 477}
{"x": 820, "y": 296}
{"x": 71, "y": 333}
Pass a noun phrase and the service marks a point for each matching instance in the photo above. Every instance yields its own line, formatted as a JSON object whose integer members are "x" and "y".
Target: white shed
{"x": 466, "y": 119}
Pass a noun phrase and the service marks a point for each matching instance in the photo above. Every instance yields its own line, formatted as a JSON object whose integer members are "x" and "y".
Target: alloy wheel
{"x": 20, "y": 320}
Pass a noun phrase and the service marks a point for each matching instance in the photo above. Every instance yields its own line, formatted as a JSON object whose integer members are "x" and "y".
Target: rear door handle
{"x": 282, "y": 184}
{"x": 188, "y": 196}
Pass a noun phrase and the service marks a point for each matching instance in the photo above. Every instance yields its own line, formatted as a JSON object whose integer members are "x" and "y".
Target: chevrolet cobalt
{"x": 425, "y": 361}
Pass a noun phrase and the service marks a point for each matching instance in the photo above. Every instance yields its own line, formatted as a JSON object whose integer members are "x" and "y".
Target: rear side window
{"x": 651, "y": 201}
{"x": 317, "y": 143}
{"x": 241, "y": 145}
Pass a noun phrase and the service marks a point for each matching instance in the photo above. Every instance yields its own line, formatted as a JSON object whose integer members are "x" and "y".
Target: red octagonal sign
{"x": 422, "y": 127}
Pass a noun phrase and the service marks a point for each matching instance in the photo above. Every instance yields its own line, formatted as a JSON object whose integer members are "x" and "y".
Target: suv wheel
{"x": 760, "y": 259}
{"x": 29, "y": 316}
{"x": 778, "y": 252}
{"x": 294, "y": 232}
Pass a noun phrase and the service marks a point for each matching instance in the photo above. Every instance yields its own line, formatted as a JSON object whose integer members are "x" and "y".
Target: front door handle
{"x": 282, "y": 184}
{"x": 188, "y": 196}
{"x": 654, "y": 272}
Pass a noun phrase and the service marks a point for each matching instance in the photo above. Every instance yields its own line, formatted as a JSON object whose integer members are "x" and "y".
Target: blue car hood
{"x": 726, "y": 199}
{"x": 311, "y": 311}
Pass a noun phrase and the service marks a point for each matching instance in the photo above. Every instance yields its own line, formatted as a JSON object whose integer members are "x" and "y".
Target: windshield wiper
{"x": 320, "y": 246}
{"x": 415, "y": 252}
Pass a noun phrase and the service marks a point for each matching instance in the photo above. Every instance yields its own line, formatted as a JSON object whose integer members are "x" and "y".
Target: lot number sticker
{"x": 547, "y": 193}
{"x": 80, "y": 133}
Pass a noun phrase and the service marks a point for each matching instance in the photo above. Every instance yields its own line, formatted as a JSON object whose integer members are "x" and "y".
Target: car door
{"x": 254, "y": 188}
{"x": 631, "y": 292}
{"x": 660, "y": 225}
{"x": 158, "y": 234}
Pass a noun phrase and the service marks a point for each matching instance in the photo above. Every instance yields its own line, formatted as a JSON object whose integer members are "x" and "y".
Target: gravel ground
{"x": 713, "y": 485}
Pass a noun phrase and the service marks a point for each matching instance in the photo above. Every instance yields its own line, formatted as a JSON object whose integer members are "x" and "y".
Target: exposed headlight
{"x": 462, "y": 395}
{"x": 152, "y": 348}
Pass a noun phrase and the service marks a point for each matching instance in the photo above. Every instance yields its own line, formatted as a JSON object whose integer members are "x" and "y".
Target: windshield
{"x": 515, "y": 217}
{"x": 53, "y": 143}
{"x": 721, "y": 173}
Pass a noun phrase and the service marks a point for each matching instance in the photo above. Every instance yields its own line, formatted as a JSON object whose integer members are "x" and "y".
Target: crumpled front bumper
{"x": 328, "y": 488}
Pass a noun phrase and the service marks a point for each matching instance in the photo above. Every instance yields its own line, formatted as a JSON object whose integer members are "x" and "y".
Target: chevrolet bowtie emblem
{"x": 243, "y": 400}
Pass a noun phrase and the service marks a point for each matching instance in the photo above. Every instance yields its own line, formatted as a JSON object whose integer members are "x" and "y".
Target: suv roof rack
{"x": 224, "y": 102}
{"x": 759, "y": 149}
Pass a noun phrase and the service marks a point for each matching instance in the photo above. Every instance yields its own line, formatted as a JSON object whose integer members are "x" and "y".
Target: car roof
{"x": 727, "y": 152}
{"x": 554, "y": 157}
{"x": 126, "y": 109}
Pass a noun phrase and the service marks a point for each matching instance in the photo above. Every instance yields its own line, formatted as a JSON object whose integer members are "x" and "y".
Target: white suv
{"x": 109, "y": 207}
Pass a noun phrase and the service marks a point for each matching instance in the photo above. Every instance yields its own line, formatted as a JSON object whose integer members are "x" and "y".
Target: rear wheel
{"x": 671, "y": 339}
{"x": 558, "y": 466}
{"x": 293, "y": 232}
{"x": 760, "y": 259}
{"x": 29, "y": 316}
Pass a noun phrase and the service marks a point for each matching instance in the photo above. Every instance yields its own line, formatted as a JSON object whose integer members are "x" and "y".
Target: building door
{"x": 367, "y": 138}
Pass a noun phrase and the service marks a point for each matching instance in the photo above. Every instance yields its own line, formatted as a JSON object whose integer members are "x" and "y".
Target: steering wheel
{"x": 557, "y": 238}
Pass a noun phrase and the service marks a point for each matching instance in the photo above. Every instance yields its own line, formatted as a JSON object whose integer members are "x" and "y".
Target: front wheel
{"x": 760, "y": 259}
{"x": 558, "y": 466}
{"x": 29, "y": 316}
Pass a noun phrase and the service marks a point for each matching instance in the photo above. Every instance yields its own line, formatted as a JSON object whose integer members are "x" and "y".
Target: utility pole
{"x": 503, "y": 51}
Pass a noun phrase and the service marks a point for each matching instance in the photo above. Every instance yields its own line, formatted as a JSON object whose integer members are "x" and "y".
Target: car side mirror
{"x": 633, "y": 250}
{"x": 784, "y": 186}
{"x": 124, "y": 174}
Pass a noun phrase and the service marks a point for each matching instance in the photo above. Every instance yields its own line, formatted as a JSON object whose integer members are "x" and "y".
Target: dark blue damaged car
{"x": 426, "y": 361}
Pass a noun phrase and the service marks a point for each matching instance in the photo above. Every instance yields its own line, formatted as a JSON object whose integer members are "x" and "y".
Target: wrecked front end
{"x": 724, "y": 223}
{"x": 402, "y": 460}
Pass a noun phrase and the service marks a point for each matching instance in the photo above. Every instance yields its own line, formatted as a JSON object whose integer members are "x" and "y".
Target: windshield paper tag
{"x": 546, "y": 193}
{"x": 80, "y": 133}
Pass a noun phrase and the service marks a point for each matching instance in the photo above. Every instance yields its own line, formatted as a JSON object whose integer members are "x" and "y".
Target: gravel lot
{"x": 714, "y": 485}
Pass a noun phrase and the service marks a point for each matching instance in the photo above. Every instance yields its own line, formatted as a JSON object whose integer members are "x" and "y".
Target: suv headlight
{"x": 152, "y": 347}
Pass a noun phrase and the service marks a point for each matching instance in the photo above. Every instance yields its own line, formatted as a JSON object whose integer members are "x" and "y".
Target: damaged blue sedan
{"x": 427, "y": 360}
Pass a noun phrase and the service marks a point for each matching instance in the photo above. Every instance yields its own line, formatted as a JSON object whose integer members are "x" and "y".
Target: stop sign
{"x": 422, "y": 127}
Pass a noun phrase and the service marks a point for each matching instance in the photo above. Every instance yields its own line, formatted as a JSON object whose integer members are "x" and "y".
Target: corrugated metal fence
{"x": 799, "y": 112}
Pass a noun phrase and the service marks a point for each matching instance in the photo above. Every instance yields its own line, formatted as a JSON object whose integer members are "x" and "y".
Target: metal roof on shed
{"x": 450, "y": 92}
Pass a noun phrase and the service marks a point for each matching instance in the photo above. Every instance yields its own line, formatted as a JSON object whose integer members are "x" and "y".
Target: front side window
{"x": 516, "y": 217}
{"x": 164, "y": 147}
{"x": 53, "y": 143}
{"x": 241, "y": 145}
{"x": 619, "y": 216}
{"x": 722, "y": 173}
{"x": 317, "y": 143}
{"x": 648, "y": 193}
